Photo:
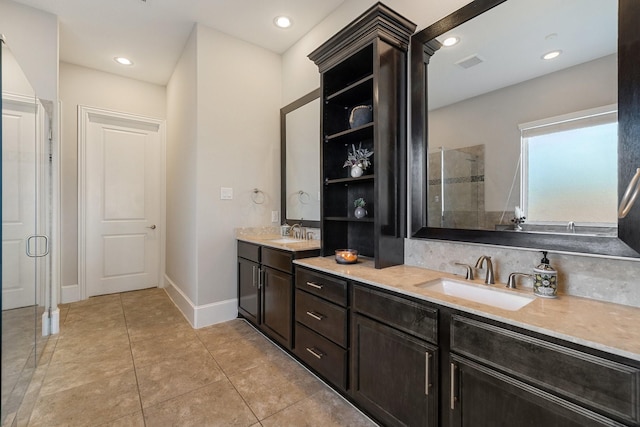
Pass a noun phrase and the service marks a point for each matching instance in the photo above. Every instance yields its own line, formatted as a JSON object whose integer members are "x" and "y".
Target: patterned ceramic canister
{"x": 545, "y": 281}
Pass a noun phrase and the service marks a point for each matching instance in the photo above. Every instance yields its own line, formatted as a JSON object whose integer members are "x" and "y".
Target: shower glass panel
{"x": 25, "y": 200}
{"x": 456, "y": 188}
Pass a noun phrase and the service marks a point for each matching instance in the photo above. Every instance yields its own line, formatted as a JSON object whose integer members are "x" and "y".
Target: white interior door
{"x": 122, "y": 183}
{"x": 18, "y": 200}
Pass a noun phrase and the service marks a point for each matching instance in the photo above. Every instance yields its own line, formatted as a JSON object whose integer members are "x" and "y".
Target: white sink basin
{"x": 499, "y": 298}
{"x": 286, "y": 240}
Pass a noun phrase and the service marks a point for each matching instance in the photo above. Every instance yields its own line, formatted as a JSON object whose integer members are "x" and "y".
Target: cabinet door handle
{"x": 315, "y": 352}
{"x": 427, "y": 383}
{"x": 260, "y": 278}
{"x": 253, "y": 275}
{"x": 453, "y": 387}
{"x": 315, "y": 316}
{"x": 314, "y": 285}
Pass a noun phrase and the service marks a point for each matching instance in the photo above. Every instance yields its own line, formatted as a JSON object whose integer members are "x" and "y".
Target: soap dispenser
{"x": 545, "y": 279}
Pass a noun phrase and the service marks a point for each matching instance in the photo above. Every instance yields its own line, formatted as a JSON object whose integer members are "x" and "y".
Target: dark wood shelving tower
{"x": 365, "y": 64}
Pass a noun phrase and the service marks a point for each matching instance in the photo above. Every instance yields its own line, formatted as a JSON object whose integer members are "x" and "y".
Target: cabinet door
{"x": 482, "y": 397}
{"x": 248, "y": 292}
{"x": 277, "y": 305}
{"x": 394, "y": 375}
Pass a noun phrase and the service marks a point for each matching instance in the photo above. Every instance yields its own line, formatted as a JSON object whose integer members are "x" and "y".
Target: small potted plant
{"x": 358, "y": 160}
{"x": 360, "y": 211}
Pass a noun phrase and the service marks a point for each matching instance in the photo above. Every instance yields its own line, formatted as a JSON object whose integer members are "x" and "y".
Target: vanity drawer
{"x": 403, "y": 314}
{"x": 327, "y": 287}
{"x": 323, "y": 317}
{"x": 326, "y": 358}
{"x": 280, "y": 260}
{"x": 249, "y": 251}
{"x": 601, "y": 384}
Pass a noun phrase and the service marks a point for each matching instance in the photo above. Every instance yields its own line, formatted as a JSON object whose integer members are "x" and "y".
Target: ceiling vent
{"x": 470, "y": 61}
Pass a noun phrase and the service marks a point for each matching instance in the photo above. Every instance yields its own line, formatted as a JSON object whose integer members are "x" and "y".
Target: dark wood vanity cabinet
{"x": 394, "y": 358}
{"x": 500, "y": 376}
{"x": 364, "y": 65}
{"x": 248, "y": 286}
{"x": 409, "y": 362}
{"x": 265, "y": 289}
{"x": 321, "y": 325}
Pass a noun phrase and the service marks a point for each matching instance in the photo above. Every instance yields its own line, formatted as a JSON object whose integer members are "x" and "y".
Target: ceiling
{"x": 153, "y": 33}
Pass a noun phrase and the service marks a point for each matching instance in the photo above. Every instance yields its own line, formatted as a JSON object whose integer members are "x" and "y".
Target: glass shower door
{"x": 24, "y": 244}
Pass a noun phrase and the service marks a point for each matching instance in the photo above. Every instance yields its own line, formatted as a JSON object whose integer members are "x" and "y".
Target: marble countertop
{"x": 600, "y": 325}
{"x": 277, "y": 241}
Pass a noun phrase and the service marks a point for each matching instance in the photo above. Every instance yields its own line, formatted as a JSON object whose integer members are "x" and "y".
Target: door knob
{"x": 153, "y": 227}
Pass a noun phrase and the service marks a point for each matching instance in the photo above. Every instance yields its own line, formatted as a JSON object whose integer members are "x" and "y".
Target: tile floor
{"x": 131, "y": 359}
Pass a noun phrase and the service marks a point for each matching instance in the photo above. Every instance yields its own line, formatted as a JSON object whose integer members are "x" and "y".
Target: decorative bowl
{"x": 346, "y": 256}
{"x": 360, "y": 115}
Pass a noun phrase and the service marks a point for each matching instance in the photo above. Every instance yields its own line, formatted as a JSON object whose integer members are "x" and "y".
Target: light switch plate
{"x": 275, "y": 217}
{"x": 226, "y": 193}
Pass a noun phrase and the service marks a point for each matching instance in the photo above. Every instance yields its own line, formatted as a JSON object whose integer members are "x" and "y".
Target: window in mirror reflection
{"x": 569, "y": 172}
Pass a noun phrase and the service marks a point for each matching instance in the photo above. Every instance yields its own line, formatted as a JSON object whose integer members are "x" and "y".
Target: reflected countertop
{"x": 277, "y": 241}
{"x": 609, "y": 327}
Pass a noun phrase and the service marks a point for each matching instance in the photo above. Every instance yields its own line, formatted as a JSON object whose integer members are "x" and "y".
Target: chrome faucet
{"x": 469, "y": 275}
{"x": 489, "y": 279}
{"x": 511, "y": 283}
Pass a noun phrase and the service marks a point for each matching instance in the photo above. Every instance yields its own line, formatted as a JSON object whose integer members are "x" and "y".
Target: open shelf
{"x": 349, "y": 180}
{"x": 369, "y": 69}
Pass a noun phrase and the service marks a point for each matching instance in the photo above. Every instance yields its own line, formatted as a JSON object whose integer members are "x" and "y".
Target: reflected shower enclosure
{"x": 456, "y": 188}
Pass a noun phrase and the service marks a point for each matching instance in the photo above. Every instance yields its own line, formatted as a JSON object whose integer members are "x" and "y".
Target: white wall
{"x": 84, "y": 86}
{"x": 32, "y": 36}
{"x": 223, "y": 125}
{"x": 238, "y": 147}
{"x": 182, "y": 154}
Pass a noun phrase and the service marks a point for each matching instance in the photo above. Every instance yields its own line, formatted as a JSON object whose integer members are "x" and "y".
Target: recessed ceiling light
{"x": 551, "y": 55}
{"x": 122, "y": 60}
{"x": 282, "y": 21}
{"x": 450, "y": 41}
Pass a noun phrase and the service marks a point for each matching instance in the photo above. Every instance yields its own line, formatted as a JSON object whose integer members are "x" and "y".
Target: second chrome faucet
{"x": 489, "y": 278}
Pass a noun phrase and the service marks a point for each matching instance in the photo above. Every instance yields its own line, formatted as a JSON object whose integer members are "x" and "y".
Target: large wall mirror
{"x": 300, "y": 160}
{"x": 514, "y": 148}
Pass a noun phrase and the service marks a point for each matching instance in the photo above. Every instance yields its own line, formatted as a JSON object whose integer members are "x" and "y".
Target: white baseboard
{"x": 204, "y": 315}
{"x": 69, "y": 293}
{"x": 51, "y": 326}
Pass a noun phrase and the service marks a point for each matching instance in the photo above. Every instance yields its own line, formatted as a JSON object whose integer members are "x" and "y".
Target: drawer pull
{"x": 314, "y": 285}
{"x": 452, "y": 386}
{"x": 427, "y": 384}
{"x": 315, "y": 352}
{"x": 315, "y": 316}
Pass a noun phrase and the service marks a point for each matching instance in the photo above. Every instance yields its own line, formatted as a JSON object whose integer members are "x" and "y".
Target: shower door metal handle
{"x": 46, "y": 245}
{"x": 630, "y": 195}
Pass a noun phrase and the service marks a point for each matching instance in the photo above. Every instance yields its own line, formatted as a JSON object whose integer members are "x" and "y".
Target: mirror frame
{"x": 300, "y": 102}
{"x": 627, "y": 244}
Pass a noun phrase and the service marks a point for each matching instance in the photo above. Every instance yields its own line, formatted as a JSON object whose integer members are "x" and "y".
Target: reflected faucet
{"x": 297, "y": 232}
{"x": 489, "y": 279}
{"x": 571, "y": 227}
